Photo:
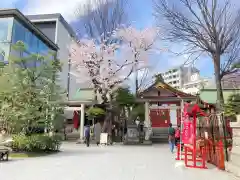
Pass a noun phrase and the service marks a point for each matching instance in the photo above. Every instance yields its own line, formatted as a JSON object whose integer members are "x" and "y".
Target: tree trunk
{"x": 220, "y": 100}
{"x": 95, "y": 93}
{"x": 136, "y": 75}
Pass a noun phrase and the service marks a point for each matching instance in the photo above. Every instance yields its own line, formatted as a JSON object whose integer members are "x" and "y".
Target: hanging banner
{"x": 187, "y": 132}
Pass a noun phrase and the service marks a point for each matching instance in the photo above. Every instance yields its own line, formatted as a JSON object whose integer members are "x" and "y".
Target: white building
{"x": 177, "y": 77}
{"x": 195, "y": 84}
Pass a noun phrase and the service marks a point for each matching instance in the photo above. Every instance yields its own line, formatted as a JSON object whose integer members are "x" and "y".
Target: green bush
{"x": 36, "y": 143}
{"x": 95, "y": 112}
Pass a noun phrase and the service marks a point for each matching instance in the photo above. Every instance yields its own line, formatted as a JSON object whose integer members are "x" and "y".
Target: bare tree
{"x": 206, "y": 27}
{"x": 102, "y": 17}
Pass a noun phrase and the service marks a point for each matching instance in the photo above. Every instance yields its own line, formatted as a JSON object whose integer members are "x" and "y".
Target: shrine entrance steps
{"x": 160, "y": 135}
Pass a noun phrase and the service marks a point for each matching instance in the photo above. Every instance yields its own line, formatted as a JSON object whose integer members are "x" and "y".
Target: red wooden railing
{"x": 215, "y": 153}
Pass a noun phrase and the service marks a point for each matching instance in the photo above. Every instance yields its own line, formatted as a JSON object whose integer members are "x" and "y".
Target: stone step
{"x": 158, "y": 140}
{"x": 160, "y": 133}
{"x": 232, "y": 168}
{"x": 160, "y": 136}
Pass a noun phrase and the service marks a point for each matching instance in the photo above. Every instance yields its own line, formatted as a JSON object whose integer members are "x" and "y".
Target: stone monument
{"x": 233, "y": 165}
{"x": 132, "y": 136}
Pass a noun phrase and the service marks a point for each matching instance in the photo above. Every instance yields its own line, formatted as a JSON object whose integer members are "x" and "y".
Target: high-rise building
{"x": 14, "y": 27}
{"x": 177, "y": 77}
{"x": 55, "y": 27}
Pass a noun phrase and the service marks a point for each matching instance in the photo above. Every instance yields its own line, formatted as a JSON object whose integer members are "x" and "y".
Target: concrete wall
{"x": 63, "y": 42}
{"x": 48, "y": 28}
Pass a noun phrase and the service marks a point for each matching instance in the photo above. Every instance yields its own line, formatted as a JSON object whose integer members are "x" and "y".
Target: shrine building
{"x": 163, "y": 106}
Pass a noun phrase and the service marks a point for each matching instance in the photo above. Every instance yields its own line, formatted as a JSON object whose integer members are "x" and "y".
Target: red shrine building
{"x": 163, "y": 106}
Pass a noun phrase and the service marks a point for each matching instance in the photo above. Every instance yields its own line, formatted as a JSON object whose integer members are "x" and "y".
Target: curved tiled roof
{"x": 173, "y": 90}
{"x": 163, "y": 85}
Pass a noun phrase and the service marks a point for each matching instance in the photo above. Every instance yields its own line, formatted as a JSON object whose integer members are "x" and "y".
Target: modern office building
{"x": 14, "y": 27}
{"x": 55, "y": 27}
{"x": 177, "y": 77}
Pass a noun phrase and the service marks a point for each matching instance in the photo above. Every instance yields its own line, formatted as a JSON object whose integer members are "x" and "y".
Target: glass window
{"x": 4, "y": 51}
{"x": 34, "y": 44}
{"x": 18, "y": 32}
{"x": 5, "y": 29}
{"x": 2, "y": 55}
{"x": 43, "y": 48}
{"x": 28, "y": 38}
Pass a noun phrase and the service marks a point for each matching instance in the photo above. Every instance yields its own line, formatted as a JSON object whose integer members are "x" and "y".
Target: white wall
{"x": 63, "y": 42}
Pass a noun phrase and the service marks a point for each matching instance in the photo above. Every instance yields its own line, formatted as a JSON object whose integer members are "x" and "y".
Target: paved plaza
{"x": 117, "y": 162}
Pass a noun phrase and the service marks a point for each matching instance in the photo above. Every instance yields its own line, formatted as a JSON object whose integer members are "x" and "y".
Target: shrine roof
{"x": 164, "y": 91}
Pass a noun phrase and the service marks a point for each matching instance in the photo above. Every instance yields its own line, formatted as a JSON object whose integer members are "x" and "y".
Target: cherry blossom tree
{"x": 100, "y": 64}
{"x": 106, "y": 65}
{"x": 138, "y": 45}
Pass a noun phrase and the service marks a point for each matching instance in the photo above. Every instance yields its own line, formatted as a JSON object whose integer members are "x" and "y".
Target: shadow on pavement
{"x": 70, "y": 152}
{"x": 11, "y": 160}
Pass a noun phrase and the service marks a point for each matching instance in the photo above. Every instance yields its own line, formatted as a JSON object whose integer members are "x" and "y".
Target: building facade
{"x": 195, "y": 84}
{"x": 59, "y": 31}
{"x": 177, "y": 77}
{"x": 79, "y": 95}
{"x": 14, "y": 27}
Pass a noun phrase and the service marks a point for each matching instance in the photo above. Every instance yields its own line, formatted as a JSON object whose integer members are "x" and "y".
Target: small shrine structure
{"x": 202, "y": 139}
{"x": 163, "y": 106}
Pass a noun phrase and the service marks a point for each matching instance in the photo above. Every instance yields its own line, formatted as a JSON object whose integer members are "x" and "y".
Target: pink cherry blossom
{"x": 108, "y": 65}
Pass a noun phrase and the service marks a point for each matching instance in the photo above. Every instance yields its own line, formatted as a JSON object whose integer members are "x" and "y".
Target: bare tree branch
{"x": 206, "y": 27}
{"x": 102, "y": 17}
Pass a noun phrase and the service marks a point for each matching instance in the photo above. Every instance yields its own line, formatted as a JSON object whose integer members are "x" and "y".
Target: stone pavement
{"x": 117, "y": 162}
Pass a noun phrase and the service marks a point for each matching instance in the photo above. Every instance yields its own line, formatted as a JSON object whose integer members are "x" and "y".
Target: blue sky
{"x": 140, "y": 15}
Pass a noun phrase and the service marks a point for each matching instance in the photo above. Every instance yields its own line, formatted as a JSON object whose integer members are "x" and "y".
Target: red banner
{"x": 187, "y": 132}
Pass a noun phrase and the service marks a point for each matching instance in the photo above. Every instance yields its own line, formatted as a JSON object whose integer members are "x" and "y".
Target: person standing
{"x": 87, "y": 135}
{"x": 171, "y": 137}
{"x": 177, "y": 135}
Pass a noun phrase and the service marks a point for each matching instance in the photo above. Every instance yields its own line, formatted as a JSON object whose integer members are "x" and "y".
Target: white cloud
{"x": 67, "y": 8}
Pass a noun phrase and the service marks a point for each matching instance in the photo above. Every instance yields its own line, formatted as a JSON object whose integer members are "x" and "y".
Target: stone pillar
{"x": 147, "y": 124}
{"x": 82, "y": 119}
{"x": 233, "y": 165}
{"x": 147, "y": 119}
